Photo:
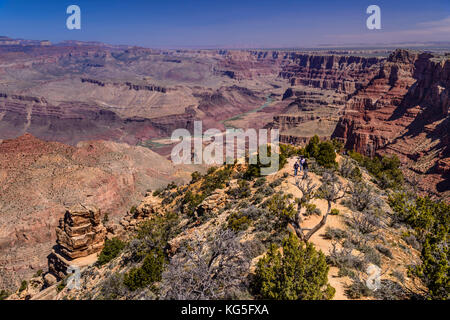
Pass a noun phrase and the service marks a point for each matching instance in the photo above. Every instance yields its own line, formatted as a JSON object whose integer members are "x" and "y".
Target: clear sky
{"x": 229, "y": 24}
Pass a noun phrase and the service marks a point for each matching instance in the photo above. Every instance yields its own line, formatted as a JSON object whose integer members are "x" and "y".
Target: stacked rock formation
{"x": 80, "y": 234}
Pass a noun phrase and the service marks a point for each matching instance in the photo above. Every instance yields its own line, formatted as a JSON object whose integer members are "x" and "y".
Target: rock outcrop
{"x": 80, "y": 234}
{"x": 212, "y": 204}
{"x": 146, "y": 209}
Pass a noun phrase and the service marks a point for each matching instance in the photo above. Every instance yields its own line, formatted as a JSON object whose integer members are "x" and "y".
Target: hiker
{"x": 296, "y": 165}
{"x": 305, "y": 169}
{"x": 302, "y": 163}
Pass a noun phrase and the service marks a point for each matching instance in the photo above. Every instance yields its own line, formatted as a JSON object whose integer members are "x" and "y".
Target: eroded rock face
{"x": 79, "y": 234}
{"x": 404, "y": 110}
{"x": 341, "y": 73}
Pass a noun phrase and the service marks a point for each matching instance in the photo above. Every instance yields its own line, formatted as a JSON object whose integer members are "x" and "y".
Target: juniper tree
{"x": 297, "y": 272}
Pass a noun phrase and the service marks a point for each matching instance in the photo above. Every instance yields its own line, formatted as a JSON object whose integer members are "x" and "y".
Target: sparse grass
{"x": 335, "y": 234}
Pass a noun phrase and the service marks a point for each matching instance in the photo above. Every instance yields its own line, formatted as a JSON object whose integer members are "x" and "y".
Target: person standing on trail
{"x": 302, "y": 162}
{"x": 305, "y": 168}
{"x": 296, "y": 165}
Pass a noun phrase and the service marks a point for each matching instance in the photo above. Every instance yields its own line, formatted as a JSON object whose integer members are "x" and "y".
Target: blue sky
{"x": 230, "y": 24}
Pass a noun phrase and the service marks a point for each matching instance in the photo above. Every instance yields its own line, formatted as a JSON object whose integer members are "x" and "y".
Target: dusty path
{"x": 289, "y": 186}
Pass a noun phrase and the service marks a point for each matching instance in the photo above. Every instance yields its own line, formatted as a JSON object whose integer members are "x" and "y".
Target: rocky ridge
{"x": 214, "y": 213}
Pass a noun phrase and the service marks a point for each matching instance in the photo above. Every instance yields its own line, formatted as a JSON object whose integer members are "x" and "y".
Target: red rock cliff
{"x": 404, "y": 110}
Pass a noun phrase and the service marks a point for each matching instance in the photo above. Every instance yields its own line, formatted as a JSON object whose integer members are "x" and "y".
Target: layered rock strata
{"x": 80, "y": 234}
{"x": 404, "y": 110}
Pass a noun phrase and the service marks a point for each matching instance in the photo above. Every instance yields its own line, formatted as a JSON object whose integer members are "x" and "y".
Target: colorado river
{"x": 269, "y": 100}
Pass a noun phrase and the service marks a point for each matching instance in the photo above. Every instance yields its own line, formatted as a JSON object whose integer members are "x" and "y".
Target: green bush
{"x": 254, "y": 170}
{"x": 61, "y": 285}
{"x": 279, "y": 205}
{"x": 38, "y": 273}
{"x": 299, "y": 272}
{"x": 358, "y": 289}
{"x": 191, "y": 201}
{"x": 276, "y": 183}
{"x": 154, "y": 234}
{"x": 386, "y": 169}
{"x": 334, "y": 212}
{"x": 312, "y": 209}
{"x": 3, "y": 295}
{"x": 196, "y": 176}
{"x": 431, "y": 223}
{"x": 289, "y": 151}
{"x": 356, "y": 174}
{"x": 323, "y": 152}
{"x": 241, "y": 191}
{"x": 238, "y": 222}
{"x": 150, "y": 271}
{"x": 171, "y": 185}
{"x": 422, "y": 214}
{"x": 327, "y": 155}
{"x": 265, "y": 191}
{"x": 211, "y": 170}
{"x": 23, "y": 285}
{"x": 111, "y": 250}
{"x": 312, "y": 148}
{"x": 337, "y": 145}
{"x": 216, "y": 179}
{"x": 260, "y": 182}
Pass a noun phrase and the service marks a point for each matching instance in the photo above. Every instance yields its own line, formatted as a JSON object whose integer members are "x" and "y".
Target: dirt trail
{"x": 289, "y": 186}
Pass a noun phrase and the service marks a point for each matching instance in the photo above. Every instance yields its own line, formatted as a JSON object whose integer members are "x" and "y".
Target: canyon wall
{"x": 331, "y": 72}
{"x": 72, "y": 122}
{"x": 404, "y": 110}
